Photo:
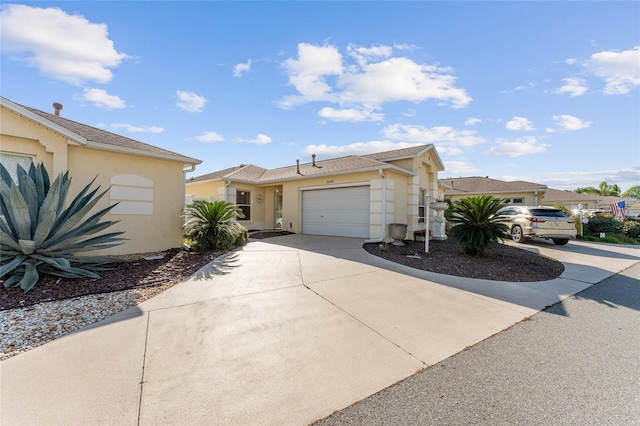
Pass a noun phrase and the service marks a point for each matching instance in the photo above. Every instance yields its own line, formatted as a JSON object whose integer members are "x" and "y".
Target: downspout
{"x": 384, "y": 210}
{"x": 184, "y": 187}
{"x": 184, "y": 192}
{"x": 226, "y": 190}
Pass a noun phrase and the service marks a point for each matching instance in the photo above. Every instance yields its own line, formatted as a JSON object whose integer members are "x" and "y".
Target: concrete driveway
{"x": 284, "y": 331}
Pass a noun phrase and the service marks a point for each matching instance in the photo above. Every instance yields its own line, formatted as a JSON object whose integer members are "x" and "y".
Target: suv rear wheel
{"x": 516, "y": 234}
{"x": 560, "y": 241}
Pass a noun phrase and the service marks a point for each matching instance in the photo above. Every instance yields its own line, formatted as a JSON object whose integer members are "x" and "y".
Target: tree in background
{"x": 603, "y": 189}
{"x": 633, "y": 192}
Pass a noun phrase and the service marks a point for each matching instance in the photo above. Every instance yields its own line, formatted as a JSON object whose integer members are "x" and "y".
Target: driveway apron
{"x": 282, "y": 331}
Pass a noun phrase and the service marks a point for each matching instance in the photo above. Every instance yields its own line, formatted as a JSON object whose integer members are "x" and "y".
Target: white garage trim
{"x": 341, "y": 211}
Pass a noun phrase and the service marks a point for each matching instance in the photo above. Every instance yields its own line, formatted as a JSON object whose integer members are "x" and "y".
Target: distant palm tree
{"x": 476, "y": 225}
{"x": 633, "y": 192}
{"x": 603, "y": 189}
{"x": 214, "y": 224}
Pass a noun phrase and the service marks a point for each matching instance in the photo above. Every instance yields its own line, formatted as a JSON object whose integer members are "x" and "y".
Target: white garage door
{"x": 341, "y": 212}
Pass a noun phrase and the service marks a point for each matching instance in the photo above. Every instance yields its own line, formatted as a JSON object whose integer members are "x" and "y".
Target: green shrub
{"x": 597, "y": 225}
{"x": 214, "y": 225}
{"x": 631, "y": 228}
{"x": 476, "y": 225}
{"x": 40, "y": 236}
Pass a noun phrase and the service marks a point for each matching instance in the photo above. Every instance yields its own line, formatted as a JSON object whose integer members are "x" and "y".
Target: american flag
{"x": 618, "y": 209}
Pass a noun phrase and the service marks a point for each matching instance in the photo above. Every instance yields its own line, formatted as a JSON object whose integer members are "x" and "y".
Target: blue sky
{"x": 546, "y": 92}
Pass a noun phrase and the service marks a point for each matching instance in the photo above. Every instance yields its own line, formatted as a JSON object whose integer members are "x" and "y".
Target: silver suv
{"x": 541, "y": 222}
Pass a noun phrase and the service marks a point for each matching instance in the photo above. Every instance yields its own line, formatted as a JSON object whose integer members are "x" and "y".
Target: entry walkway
{"x": 284, "y": 331}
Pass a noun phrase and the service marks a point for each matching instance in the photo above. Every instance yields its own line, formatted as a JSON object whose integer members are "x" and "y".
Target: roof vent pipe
{"x": 313, "y": 158}
{"x": 57, "y": 106}
{"x": 298, "y": 167}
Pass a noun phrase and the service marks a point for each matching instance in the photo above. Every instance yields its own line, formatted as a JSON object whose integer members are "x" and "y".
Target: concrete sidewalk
{"x": 284, "y": 331}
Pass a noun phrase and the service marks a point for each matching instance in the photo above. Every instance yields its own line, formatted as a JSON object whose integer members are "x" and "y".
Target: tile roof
{"x": 348, "y": 164}
{"x": 93, "y": 134}
{"x": 483, "y": 185}
{"x": 555, "y": 195}
{"x": 398, "y": 153}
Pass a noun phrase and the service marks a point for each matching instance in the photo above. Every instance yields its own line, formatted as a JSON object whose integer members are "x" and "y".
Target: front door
{"x": 278, "y": 210}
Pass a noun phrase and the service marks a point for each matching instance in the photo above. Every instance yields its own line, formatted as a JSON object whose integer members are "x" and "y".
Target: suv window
{"x": 548, "y": 213}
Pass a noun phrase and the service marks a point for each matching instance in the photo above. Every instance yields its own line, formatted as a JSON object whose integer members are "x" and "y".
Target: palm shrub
{"x": 40, "y": 234}
{"x": 476, "y": 224}
{"x": 214, "y": 225}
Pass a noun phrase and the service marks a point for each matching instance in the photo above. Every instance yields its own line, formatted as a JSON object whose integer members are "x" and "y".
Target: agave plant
{"x": 40, "y": 234}
{"x": 476, "y": 224}
{"x": 214, "y": 224}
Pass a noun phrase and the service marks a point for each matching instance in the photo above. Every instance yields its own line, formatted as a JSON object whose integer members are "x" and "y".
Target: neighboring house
{"x": 572, "y": 200}
{"x": 146, "y": 181}
{"x": 517, "y": 193}
{"x": 354, "y": 196}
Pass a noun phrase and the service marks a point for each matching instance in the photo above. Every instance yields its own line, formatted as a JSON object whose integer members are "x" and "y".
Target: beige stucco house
{"x": 353, "y": 196}
{"x": 519, "y": 192}
{"x": 146, "y": 181}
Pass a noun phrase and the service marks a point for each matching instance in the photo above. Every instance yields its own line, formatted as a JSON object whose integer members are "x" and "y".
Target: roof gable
{"x": 94, "y": 137}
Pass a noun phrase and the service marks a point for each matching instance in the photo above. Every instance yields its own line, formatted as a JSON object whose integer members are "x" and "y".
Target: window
{"x": 243, "y": 201}
{"x": 12, "y": 161}
{"x": 514, "y": 201}
{"x": 421, "y": 209}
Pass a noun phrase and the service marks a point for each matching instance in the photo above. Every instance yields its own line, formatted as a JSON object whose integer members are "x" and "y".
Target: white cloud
{"x": 401, "y": 79}
{"x": 209, "y": 137}
{"x": 364, "y": 55}
{"x": 63, "y": 46}
{"x": 190, "y": 102}
{"x": 571, "y": 61}
{"x": 358, "y": 148}
{"x": 569, "y": 122}
{"x": 309, "y": 71}
{"x": 472, "y": 121}
{"x": 260, "y": 139}
{"x": 619, "y": 69}
{"x": 458, "y": 168}
{"x": 240, "y": 69}
{"x": 516, "y": 148}
{"x": 447, "y": 139}
{"x": 136, "y": 129}
{"x": 349, "y": 114}
{"x": 624, "y": 178}
{"x": 101, "y": 99}
{"x": 519, "y": 123}
{"x": 572, "y": 86}
{"x": 321, "y": 74}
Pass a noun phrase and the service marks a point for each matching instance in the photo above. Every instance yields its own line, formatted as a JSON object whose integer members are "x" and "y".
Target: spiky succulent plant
{"x": 41, "y": 234}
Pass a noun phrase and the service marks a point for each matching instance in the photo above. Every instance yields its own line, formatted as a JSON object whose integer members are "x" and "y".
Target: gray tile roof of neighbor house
{"x": 486, "y": 185}
{"x": 555, "y": 195}
{"x": 106, "y": 139}
{"x": 348, "y": 164}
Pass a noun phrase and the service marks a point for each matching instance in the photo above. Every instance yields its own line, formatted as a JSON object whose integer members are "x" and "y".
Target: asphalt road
{"x": 576, "y": 363}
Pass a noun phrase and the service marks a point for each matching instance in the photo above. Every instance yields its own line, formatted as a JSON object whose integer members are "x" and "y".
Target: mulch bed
{"x": 176, "y": 265}
{"x": 501, "y": 262}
